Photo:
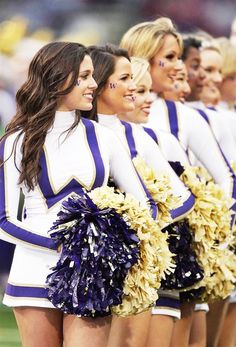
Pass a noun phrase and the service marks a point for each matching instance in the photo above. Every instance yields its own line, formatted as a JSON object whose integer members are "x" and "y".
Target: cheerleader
{"x": 48, "y": 153}
{"x": 164, "y": 314}
{"x": 192, "y": 60}
{"x": 160, "y": 44}
{"x": 226, "y": 107}
{"x": 181, "y": 88}
{"x": 181, "y": 92}
{"x": 211, "y": 62}
{"x": 172, "y": 151}
{"x": 112, "y": 66}
{"x": 227, "y": 87}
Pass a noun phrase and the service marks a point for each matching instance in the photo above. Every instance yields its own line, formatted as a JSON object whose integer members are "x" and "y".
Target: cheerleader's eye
{"x": 140, "y": 91}
{"x": 84, "y": 77}
{"x": 125, "y": 77}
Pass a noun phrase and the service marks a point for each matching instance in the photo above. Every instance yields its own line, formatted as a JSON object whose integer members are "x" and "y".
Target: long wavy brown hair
{"x": 37, "y": 100}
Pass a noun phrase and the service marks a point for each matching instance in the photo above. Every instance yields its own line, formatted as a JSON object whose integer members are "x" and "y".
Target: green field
{"x": 9, "y": 336}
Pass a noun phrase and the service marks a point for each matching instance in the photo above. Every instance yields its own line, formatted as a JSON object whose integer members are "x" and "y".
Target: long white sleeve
{"x": 194, "y": 134}
{"x": 149, "y": 151}
{"x": 121, "y": 167}
{"x": 229, "y": 118}
{"x": 220, "y": 129}
{"x": 170, "y": 146}
{"x": 82, "y": 160}
{"x": 11, "y": 229}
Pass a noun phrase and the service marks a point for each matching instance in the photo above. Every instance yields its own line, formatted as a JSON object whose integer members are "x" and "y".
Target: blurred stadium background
{"x": 26, "y": 25}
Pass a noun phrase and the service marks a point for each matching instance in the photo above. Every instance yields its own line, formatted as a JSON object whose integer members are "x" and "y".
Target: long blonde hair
{"x": 228, "y": 51}
{"x": 139, "y": 67}
{"x": 146, "y": 39}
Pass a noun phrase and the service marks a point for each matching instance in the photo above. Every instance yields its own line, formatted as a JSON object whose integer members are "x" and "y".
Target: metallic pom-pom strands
{"x": 187, "y": 271}
{"x": 210, "y": 223}
{"x": 105, "y": 266}
{"x": 98, "y": 250}
{"x": 144, "y": 278}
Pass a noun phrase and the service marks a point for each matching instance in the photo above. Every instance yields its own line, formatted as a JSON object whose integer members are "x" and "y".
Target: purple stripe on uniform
{"x": 168, "y": 302}
{"x": 73, "y": 185}
{"x": 234, "y": 207}
{"x": 45, "y": 186}
{"x": 204, "y": 115}
{"x": 27, "y": 292}
{"x": 173, "y": 119}
{"x": 94, "y": 147}
{"x": 130, "y": 139}
{"x": 133, "y": 153}
{"x": 212, "y": 108}
{"x": 186, "y": 207}
{"x": 151, "y": 133}
{"x": 10, "y": 228}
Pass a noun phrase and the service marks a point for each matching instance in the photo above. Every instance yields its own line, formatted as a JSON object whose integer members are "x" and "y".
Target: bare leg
{"x": 215, "y": 319}
{"x": 160, "y": 331}
{"x": 182, "y": 327}
{"x": 39, "y": 326}
{"x": 198, "y": 330}
{"x": 129, "y": 331}
{"x": 228, "y": 332}
{"x": 86, "y": 332}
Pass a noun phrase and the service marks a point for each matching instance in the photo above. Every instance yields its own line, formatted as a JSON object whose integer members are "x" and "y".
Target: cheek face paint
{"x": 112, "y": 85}
{"x": 78, "y": 83}
{"x": 161, "y": 63}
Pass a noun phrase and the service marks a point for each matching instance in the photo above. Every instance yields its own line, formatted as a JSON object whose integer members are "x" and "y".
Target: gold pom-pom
{"x": 160, "y": 189}
{"x": 210, "y": 223}
{"x": 144, "y": 278}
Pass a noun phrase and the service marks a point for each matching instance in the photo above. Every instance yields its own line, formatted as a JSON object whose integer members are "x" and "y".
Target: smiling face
{"x": 211, "y": 61}
{"x": 164, "y": 65}
{"x": 81, "y": 96}
{"x": 228, "y": 88}
{"x": 196, "y": 74}
{"x": 118, "y": 94}
{"x": 143, "y": 101}
{"x": 181, "y": 86}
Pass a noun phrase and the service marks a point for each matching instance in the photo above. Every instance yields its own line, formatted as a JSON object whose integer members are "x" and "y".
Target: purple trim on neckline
{"x": 73, "y": 185}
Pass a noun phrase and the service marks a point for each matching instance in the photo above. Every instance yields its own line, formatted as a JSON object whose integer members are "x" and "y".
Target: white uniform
{"x": 136, "y": 141}
{"x": 219, "y": 124}
{"x": 170, "y": 147}
{"x": 83, "y": 159}
{"x": 194, "y": 134}
{"x": 229, "y": 118}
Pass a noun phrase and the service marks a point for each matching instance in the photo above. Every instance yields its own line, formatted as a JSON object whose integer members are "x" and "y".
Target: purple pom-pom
{"x": 98, "y": 250}
{"x": 187, "y": 271}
